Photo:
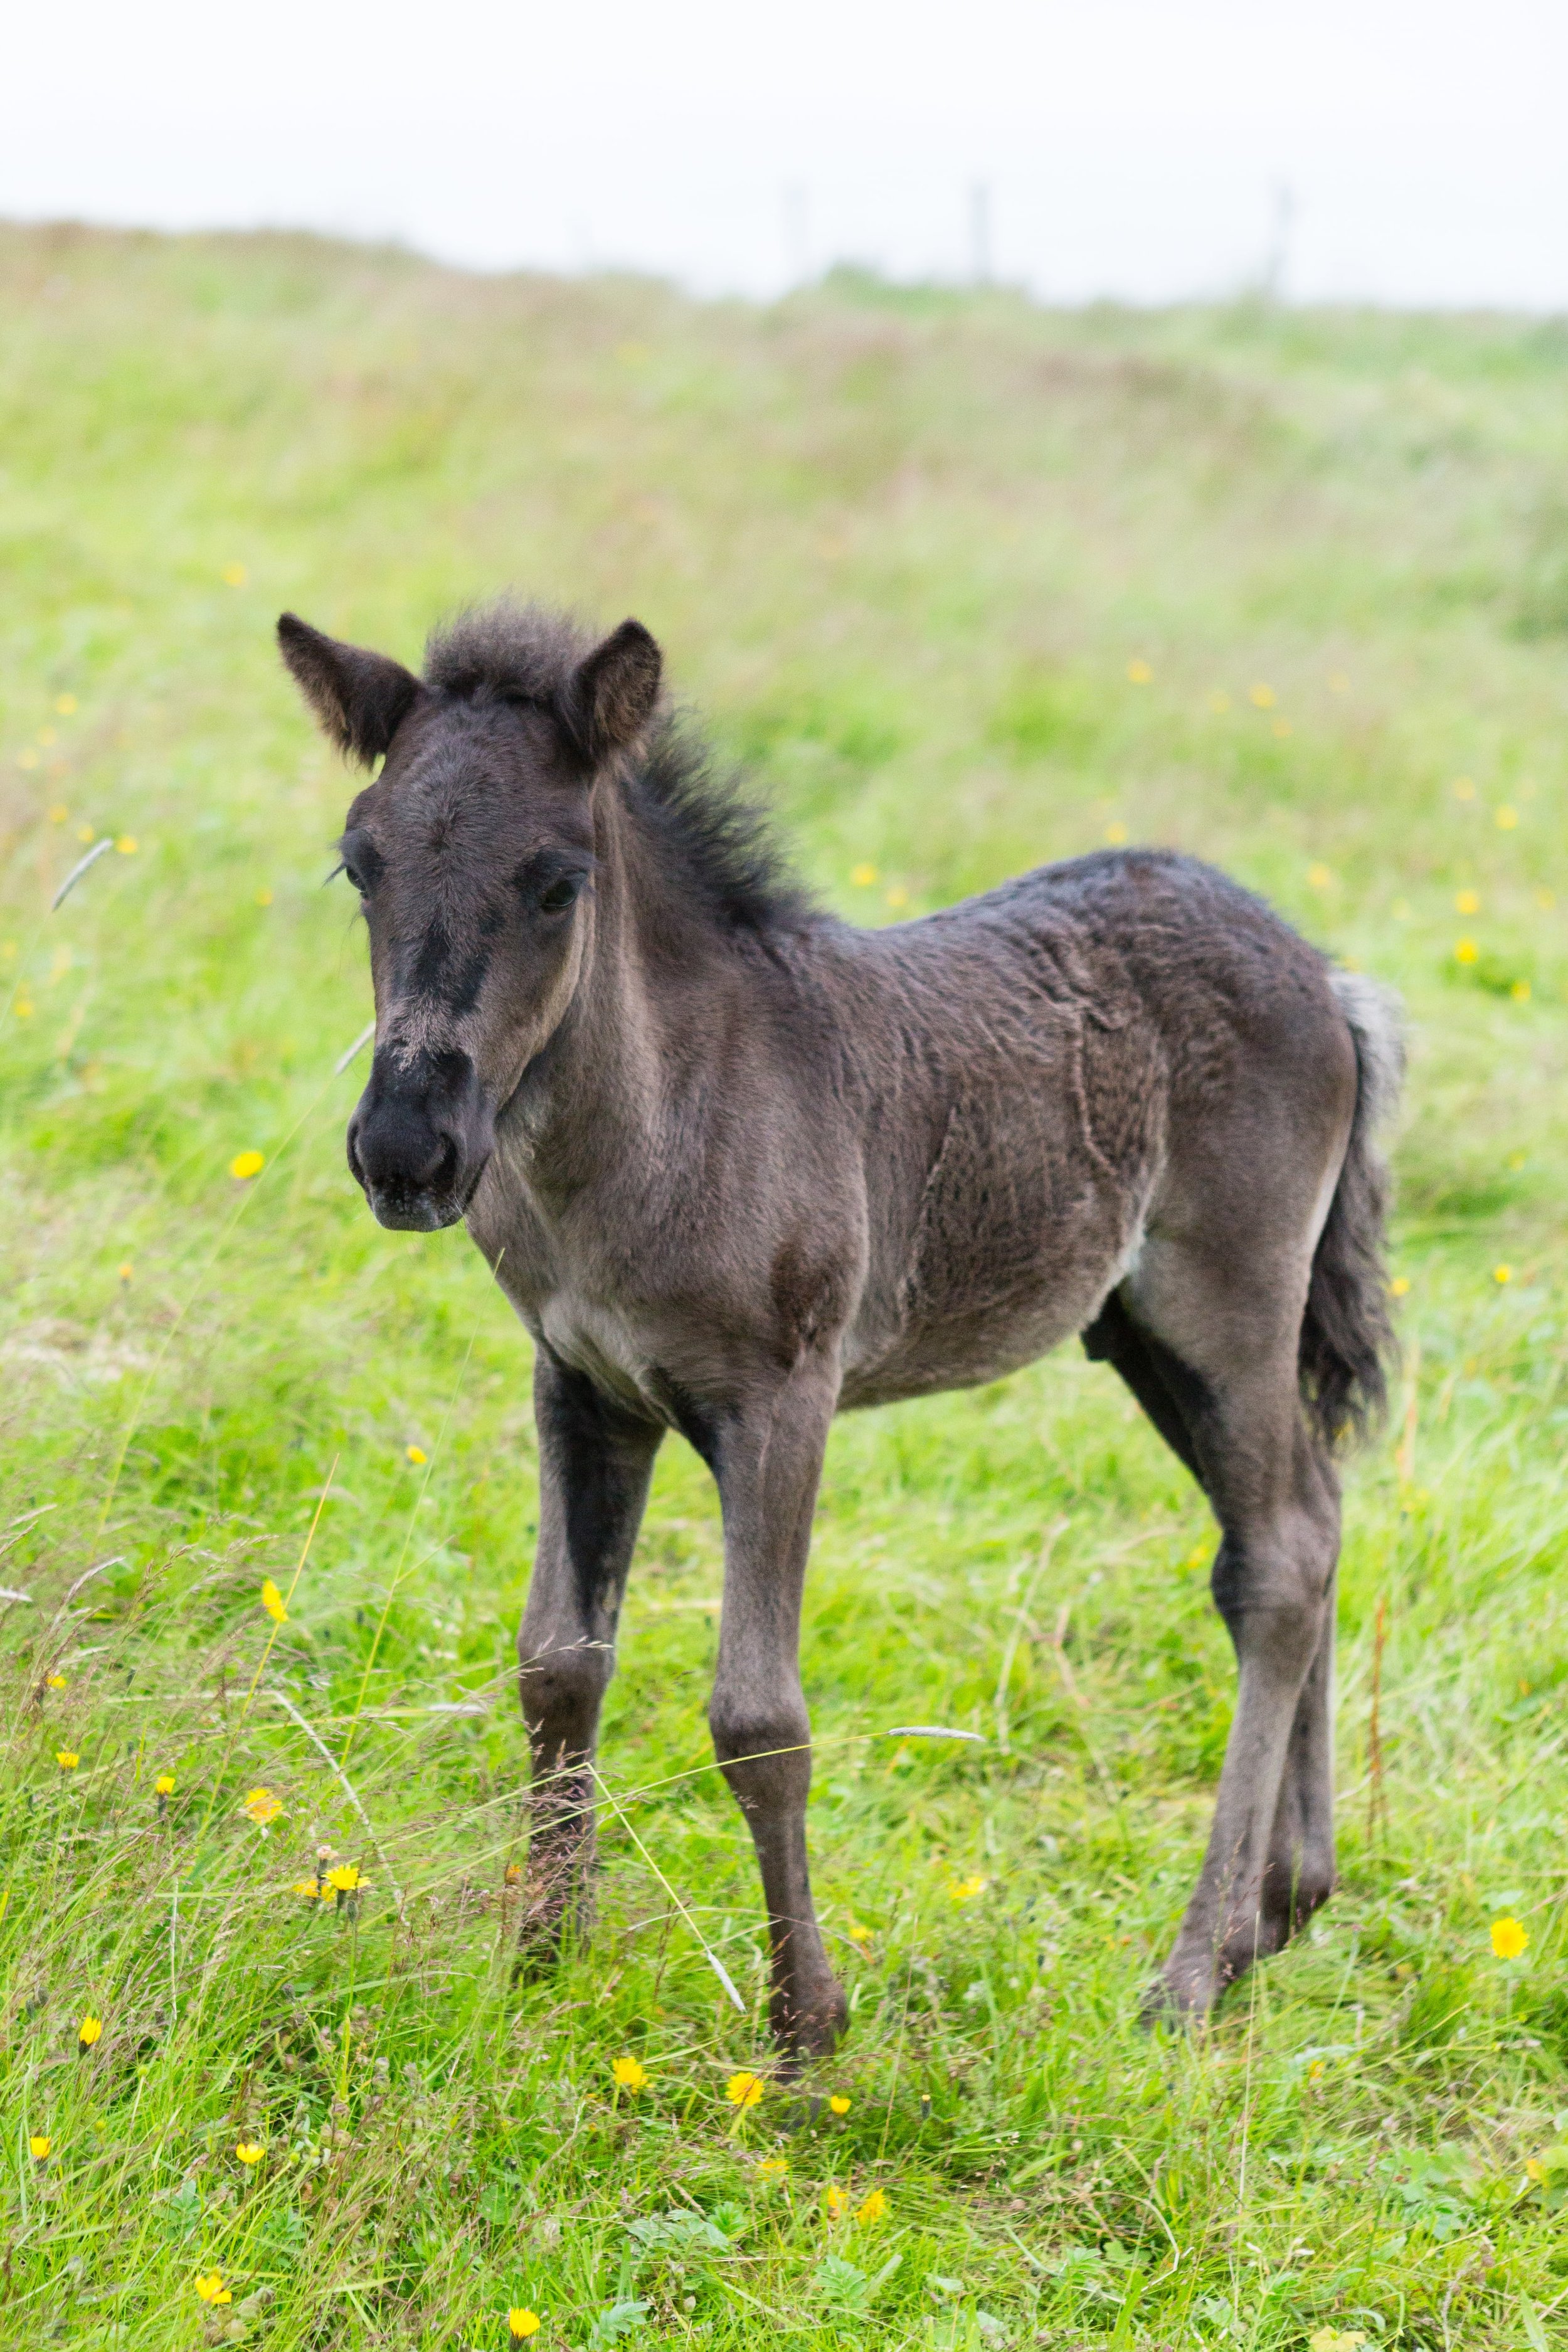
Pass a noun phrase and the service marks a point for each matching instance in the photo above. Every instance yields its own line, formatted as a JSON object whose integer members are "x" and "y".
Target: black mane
{"x": 710, "y": 837}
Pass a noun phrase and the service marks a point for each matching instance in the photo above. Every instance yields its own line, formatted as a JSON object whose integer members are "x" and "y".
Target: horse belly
{"x": 1031, "y": 1212}
{"x": 965, "y": 1340}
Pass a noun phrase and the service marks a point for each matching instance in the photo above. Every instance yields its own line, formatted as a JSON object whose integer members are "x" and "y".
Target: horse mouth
{"x": 412, "y": 1212}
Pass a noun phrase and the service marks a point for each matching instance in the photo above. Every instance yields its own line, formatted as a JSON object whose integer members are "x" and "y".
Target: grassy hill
{"x": 967, "y": 586}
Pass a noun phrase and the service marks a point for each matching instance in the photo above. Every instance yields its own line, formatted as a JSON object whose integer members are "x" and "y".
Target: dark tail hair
{"x": 1346, "y": 1334}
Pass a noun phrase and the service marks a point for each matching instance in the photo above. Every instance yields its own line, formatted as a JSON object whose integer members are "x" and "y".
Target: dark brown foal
{"x": 739, "y": 1166}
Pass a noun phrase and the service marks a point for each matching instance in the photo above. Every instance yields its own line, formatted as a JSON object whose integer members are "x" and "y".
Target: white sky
{"x": 1127, "y": 147}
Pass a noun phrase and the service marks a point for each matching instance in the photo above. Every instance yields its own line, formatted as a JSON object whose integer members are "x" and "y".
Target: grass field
{"x": 967, "y": 586}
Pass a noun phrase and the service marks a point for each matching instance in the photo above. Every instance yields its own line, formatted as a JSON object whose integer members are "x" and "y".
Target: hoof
{"x": 1162, "y": 2005}
{"x": 808, "y": 2023}
{"x": 538, "y": 1956}
{"x": 544, "y": 1934}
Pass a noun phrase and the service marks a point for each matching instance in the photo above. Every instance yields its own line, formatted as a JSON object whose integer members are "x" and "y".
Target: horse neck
{"x": 598, "y": 1092}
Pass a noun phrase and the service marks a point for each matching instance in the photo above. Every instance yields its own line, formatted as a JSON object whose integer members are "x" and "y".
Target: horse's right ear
{"x": 359, "y": 698}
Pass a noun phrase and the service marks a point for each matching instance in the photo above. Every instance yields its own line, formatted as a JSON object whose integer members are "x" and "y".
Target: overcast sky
{"x": 1411, "y": 151}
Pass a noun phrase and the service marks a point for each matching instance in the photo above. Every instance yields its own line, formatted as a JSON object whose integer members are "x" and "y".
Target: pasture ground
{"x": 968, "y": 585}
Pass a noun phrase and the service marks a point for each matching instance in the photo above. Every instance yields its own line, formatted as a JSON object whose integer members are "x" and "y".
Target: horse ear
{"x": 611, "y": 694}
{"x": 359, "y": 698}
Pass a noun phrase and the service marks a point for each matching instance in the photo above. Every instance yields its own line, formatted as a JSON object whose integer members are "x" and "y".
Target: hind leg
{"x": 1297, "y": 1868}
{"x": 1299, "y": 1875}
{"x": 1273, "y": 1583}
{"x": 1224, "y": 1354}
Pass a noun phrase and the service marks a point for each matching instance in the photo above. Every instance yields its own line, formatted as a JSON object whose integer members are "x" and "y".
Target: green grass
{"x": 903, "y": 549}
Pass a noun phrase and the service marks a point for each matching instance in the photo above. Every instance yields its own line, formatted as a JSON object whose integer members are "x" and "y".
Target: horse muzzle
{"x": 419, "y": 1139}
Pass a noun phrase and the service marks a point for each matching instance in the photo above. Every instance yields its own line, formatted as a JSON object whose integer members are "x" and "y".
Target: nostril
{"x": 444, "y": 1178}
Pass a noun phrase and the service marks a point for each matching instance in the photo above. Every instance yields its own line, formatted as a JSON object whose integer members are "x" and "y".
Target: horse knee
{"x": 765, "y": 1751}
{"x": 562, "y": 1690}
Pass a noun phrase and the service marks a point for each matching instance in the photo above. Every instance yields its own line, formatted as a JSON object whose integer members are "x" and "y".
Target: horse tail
{"x": 1346, "y": 1334}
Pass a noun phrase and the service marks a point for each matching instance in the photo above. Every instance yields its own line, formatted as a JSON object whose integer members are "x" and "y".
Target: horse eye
{"x": 355, "y": 880}
{"x": 560, "y": 894}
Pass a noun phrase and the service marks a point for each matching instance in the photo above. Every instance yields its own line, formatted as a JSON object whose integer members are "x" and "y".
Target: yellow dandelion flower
{"x": 1116, "y": 833}
{"x": 416, "y": 1454}
{"x": 1467, "y": 902}
{"x": 23, "y": 1008}
{"x": 235, "y": 575}
{"x": 39, "y": 2145}
{"x": 630, "y": 2074}
{"x": 1520, "y": 992}
{"x": 1139, "y": 673}
{"x": 346, "y": 1878}
{"x": 264, "y": 897}
{"x": 1465, "y": 950}
{"x": 66, "y": 705}
{"x": 1219, "y": 703}
{"x": 1316, "y": 2071}
{"x": 272, "y": 1602}
{"x": 58, "y": 813}
{"x": 964, "y": 1890}
{"x": 834, "y": 2199}
{"x": 1502, "y": 1274}
{"x": 67, "y": 1758}
{"x": 1400, "y": 1286}
{"x": 874, "y": 2206}
{"x": 247, "y": 1164}
{"x": 310, "y": 1888}
{"x": 1509, "y": 1938}
{"x": 522, "y": 2323}
{"x": 90, "y": 2031}
{"x": 512, "y": 1874}
{"x": 163, "y": 1786}
{"x": 1320, "y": 877}
{"x": 1262, "y": 697}
{"x": 84, "y": 834}
{"x": 1464, "y": 788}
{"x": 1505, "y": 818}
{"x": 838, "y": 2104}
{"x": 743, "y": 2090}
{"x": 250, "y": 2151}
{"x": 1533, "y": 2167}
{"x": 898, "y": 895}
{"x": 865, "y": 877}
{"x": 126, "y": 845}
{"x": 773, "y": 2167}
{"x": 125, "y": 1269}
{"x": 260, "y": 1806}
{"x": 55, "y": 1682}
{"x": 211, "y": 2288}
{"x": 856, "y": 1934}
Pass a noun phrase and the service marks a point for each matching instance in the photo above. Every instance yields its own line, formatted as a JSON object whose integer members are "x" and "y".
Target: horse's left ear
{"x": 612, "y": 695}
{"x": 359, "y": 698}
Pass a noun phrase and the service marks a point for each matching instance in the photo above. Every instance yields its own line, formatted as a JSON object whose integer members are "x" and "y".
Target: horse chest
{"x": 602, "y": 1342}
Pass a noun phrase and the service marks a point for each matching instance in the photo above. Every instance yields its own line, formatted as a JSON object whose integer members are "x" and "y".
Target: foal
{"x": 739, "y": 1165}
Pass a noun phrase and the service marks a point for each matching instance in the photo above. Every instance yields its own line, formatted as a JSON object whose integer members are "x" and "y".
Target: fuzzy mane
{"x": 708, "y": 836}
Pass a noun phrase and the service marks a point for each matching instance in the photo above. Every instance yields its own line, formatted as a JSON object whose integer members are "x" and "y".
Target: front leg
{"x": 768, "y": 1459}
{"x": 594, "y": 1463}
